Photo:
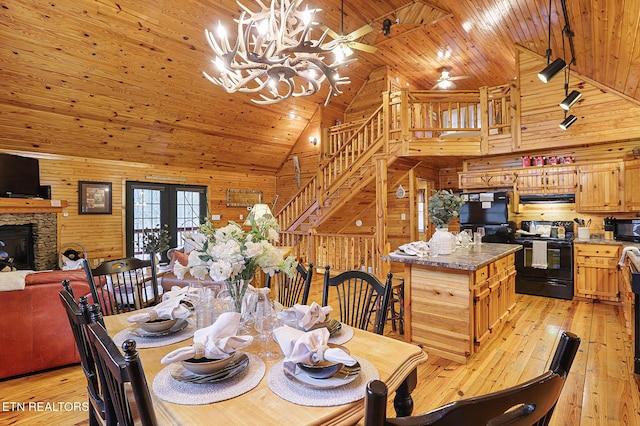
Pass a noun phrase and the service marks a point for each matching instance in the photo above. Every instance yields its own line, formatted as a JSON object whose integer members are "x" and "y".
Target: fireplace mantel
{"x": 28, "y": 205}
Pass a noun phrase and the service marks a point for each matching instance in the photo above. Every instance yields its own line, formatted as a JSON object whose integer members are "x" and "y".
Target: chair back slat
{"x": 290, "y": 291}
{"x": 123, "y": 285}
{"x": 526, "y": 404}
{"x": 79, "y": 316}
{"x": 360, "y": 296}
{"x": 117, "y": 370}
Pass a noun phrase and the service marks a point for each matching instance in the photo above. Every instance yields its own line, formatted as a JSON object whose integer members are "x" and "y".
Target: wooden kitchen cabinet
{"x": 486, "y": 179}
{"x": 627, "y": 297}
{"x": 600, "y": 187}
{"x": 494, "y": 297}
{"x": 559, "y": 179}
{"x": 596, "y": 271}
{"x": 631, "y": 193}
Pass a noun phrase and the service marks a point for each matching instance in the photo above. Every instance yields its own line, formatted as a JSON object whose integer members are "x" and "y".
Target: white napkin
{"x": 416, "y": 248}
{"x": 175, "y": 292}
{"x": 217, "y": 341}
{"x": 308, "y": 347}
{"x": 169, "y": 309}
{"x": 305, "y": 316}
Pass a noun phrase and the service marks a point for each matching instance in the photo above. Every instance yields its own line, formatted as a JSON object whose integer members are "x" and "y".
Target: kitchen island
{"x": 454, "y": 303}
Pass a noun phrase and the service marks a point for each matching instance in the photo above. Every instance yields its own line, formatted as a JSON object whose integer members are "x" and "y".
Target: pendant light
{"x": 567, "y": 122}
{"x": 570, "y": 100}
{"x": 551, "y": 70}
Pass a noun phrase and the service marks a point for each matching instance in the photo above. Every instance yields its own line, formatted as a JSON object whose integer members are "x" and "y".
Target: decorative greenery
{"x": 233, "y": 253}
{"x": 444, "y": 206}
{"x": 156, "y": 240}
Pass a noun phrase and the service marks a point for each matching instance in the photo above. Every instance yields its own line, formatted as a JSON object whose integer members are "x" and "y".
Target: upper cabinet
{"x": 600, "y": 187}
{"x": 487, "y": 179}
{"x": 631, "y": 194}
{"x": 546, "y": 180}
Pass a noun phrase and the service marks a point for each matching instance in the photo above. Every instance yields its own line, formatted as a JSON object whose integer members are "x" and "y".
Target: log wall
{"x": 103, "y": 236}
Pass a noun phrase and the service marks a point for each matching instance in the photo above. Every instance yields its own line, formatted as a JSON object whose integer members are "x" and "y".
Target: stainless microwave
{"x": 627, "y": 230}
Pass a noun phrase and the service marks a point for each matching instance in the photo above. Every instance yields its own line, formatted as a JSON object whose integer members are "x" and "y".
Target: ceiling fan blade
{"x": 460, "y": 77}
{"x": 366, "y": 29}
{"x": 363, "y": 47}
{"x": 334, "y": 35}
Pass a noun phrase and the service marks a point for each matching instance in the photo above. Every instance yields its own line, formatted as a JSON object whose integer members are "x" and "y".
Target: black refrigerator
{"x": 489, "y": 210}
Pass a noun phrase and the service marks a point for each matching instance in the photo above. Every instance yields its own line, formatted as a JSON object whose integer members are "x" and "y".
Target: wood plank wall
{"x": 103, "y": 236}
{"x": 603, "y": 114}
{"x": 369, "y": 97}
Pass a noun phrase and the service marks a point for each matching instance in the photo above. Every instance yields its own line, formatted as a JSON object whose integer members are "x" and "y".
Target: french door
{"x": 181, "y": 208}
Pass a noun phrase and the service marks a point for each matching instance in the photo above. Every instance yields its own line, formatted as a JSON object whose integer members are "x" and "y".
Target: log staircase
{"x": 408, "y": 123}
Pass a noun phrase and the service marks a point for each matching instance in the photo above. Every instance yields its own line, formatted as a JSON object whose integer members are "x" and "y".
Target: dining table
{"x": 393, "y": 361}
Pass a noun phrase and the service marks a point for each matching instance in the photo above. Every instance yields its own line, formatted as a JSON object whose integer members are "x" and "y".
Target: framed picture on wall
{"x": 94, "y": 197}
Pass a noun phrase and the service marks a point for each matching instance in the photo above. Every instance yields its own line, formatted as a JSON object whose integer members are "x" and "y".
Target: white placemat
{"x": 171, "y": 390}
{"x": 343, "y": 336}
{"x": 154, "y": 342}
{"x": 301, "y": 395}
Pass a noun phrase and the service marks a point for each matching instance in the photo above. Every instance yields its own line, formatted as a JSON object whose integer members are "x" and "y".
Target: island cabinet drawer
{"x": 602, "y": 250}
{"x": 481, "y": 275}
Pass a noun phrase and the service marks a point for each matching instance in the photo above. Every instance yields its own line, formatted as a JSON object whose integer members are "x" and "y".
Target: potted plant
{"x": 156, "y": 241}
{"x": 444, "y": 206}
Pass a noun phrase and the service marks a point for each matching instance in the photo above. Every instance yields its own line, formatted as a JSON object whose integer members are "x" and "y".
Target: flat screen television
{"x": 19, "y": 176}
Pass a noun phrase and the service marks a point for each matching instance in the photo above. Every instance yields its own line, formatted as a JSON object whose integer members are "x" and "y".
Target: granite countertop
{"x": 468, "y": 259}
{"x": 606, "y": 242}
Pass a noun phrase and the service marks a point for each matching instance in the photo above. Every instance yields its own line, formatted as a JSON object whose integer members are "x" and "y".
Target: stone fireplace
{"x": 44, "y": 230}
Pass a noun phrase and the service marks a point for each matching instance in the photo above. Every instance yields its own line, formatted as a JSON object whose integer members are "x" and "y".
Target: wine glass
{"x": 265, "y": 322}
{"x": 195, "y": 292}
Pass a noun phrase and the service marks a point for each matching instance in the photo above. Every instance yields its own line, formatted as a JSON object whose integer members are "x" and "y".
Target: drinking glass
{"x": 265, "y": 322}
{"x": 195, "y": 292}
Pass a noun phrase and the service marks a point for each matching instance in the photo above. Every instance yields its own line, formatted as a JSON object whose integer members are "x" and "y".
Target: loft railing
{"x": 428, "y": 114}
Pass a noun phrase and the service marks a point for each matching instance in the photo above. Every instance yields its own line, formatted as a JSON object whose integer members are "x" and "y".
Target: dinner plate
{"x": 344, "y": 376}
{"x": 236, "y": 366}
{"x": 139, "y": 332}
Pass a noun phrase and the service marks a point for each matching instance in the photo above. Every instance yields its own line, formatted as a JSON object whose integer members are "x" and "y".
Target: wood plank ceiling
{"x": 123, "y": 80}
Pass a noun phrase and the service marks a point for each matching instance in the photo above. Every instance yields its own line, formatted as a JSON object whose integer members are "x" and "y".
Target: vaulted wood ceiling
{"x": 123, "y": 80}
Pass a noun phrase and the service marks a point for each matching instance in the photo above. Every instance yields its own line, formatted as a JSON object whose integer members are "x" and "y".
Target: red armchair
{"x": 34, "y": 328}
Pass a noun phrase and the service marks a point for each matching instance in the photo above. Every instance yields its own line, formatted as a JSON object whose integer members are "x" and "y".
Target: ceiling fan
{"x": 446, "y": 81}
{"x": 346, "y": 43}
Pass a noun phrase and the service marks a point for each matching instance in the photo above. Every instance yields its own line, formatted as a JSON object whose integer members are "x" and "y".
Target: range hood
{"x": 547, "y": 198}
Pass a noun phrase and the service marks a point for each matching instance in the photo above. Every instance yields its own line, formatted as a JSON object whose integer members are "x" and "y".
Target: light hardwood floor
{"x": 601, "y": 388}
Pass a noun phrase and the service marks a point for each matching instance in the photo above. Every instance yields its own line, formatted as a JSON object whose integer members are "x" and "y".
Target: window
{"x": 149, "y": 206}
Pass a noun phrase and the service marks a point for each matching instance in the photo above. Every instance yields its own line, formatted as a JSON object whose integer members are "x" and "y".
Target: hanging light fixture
{"x": 551, "y": 70}
{"x": 568, "y": 121}
{"x": 570, "y": 100}
{"x": 275, "y": 55}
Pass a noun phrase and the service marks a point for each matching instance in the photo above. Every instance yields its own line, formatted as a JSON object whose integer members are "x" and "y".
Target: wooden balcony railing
{"x": 299, "y": 205}
{"x": 342, "y": 252}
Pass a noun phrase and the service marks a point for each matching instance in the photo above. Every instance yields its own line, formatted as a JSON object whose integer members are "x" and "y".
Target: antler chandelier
{"x": 274, "y": 54}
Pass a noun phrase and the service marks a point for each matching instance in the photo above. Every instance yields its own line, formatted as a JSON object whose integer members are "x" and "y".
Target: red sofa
{"x": 34, "y": 329}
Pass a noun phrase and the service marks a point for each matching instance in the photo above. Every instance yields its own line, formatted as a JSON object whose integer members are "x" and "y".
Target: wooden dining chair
{"x": 123, "y": 285}
{"x": 79, "y": 317}
{"x": 291, "y": 290}
{"x": 360, "y": 296}
{"x": 117, "y": 373}
{"x": 526, "y": 404}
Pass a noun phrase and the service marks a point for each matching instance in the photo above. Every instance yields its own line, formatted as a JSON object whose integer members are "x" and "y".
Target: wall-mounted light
{"x": 313, "y": 140}
{"x": 568, "y": 122}
{"x": 551, "y": 70}
{"x": 570, "y": 100}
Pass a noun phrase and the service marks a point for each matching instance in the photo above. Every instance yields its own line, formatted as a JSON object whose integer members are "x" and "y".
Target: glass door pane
{"x": 146, "y": 216}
